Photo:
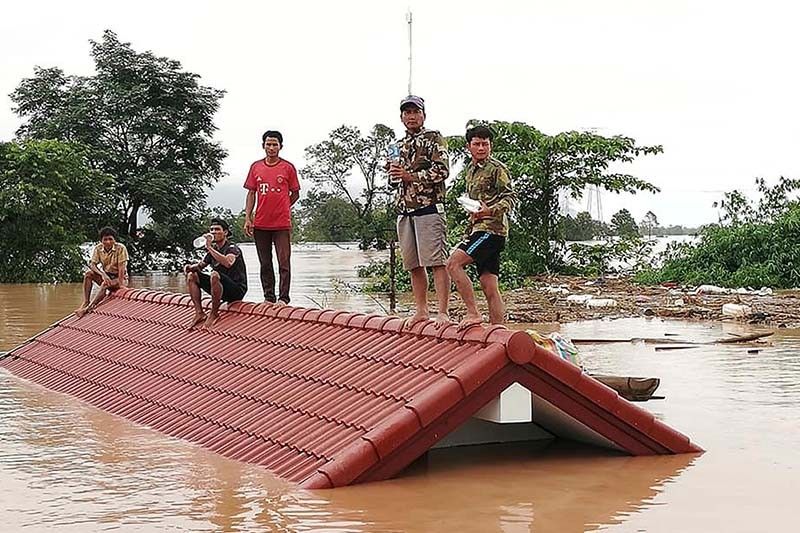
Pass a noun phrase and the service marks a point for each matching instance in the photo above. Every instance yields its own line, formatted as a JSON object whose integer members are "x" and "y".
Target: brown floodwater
{"x": 67, "y": 466}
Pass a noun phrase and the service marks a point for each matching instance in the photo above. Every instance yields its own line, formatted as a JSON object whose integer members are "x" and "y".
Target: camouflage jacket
{"x": 424, "y": 155}
{"x": 490, "y": 182}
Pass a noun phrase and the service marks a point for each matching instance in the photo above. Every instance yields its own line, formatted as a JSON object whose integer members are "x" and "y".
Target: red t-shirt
{"x": 272, "y": 185}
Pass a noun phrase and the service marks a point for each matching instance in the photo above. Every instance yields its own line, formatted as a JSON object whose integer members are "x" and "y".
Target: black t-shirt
{"x": 237, "y": 272}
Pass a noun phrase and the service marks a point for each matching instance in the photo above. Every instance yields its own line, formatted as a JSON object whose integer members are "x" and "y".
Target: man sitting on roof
{"x": 108, "y": 268}
{"x": 228, "y": 279}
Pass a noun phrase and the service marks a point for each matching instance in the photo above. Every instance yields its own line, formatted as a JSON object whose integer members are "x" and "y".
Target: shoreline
{"x": 545, "y": 300}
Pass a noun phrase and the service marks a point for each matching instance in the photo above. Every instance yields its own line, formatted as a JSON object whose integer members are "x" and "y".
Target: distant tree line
{"x": 582, "y": 227}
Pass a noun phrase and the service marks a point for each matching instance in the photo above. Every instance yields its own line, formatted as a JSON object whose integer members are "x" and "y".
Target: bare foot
{"x": 79, "y": 312}
{"x": 281, "y": 303}
{"x": 198, "y": 317}
{"x": 469, "y": 321}
{"x": 412, "y": 321}
{"x": 212, "y": 317}
{"x": 442, "y": 321}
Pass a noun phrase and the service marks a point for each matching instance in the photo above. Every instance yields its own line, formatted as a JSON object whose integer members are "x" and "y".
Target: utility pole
{"x": 392, "y": 244}
{"x": 392, "y": 277}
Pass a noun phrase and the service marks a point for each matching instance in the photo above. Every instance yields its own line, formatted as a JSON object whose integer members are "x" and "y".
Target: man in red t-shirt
{"x": 273, "y": 181}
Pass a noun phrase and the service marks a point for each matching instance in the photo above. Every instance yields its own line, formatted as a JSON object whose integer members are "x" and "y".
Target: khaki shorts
{"x": 423, "y": 240}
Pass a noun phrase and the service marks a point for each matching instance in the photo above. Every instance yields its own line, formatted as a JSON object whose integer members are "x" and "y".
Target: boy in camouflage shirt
{"x": 489, "y": 182}
{"x": 419, "y": 177}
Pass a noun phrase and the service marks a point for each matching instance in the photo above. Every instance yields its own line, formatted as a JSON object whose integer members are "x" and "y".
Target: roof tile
{"x": 320, "y": 397}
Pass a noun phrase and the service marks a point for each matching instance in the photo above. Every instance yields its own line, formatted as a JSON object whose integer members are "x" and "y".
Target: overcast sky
{"x": 714, "y": 82}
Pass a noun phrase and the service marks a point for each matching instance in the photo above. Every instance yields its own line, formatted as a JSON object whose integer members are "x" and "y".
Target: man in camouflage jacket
{"x": 489, "y": 182}
{"x": 419, "y": 176}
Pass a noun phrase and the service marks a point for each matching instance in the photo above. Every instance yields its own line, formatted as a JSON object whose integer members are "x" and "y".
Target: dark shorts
{"x": 484, "y": 249}
{"x": 231, "y": 291}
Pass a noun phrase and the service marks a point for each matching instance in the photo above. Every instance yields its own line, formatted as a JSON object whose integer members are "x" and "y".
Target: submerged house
{"x": 327, "y": 398}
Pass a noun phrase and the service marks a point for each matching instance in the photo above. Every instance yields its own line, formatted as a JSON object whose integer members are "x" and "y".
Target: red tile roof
{"x": 322, "y": 398}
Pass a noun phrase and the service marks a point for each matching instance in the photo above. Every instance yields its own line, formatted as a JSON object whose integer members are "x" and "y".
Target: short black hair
{"x": 275, "y": 134}
{"x": 108, "y": 231}
{"x": 481, "y": 132}
{"x": 221, "y": 223}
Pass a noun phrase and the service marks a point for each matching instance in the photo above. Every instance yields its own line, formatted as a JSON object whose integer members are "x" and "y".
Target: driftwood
{"x": 670, "y": 348}
{"x": 646, "y": 340}
{"x": 630, "y": 388}
{"x": 732, "y": 340}
{"x": 742, "y": 338}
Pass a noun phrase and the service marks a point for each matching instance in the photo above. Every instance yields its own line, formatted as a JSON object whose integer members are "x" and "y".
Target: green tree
{"x": 581, "y": 228}
{"x": 543, "y": 165}
{"x": 145, "y": 121}
{"x": 623, "y": 224}
{"x": 328, "y": 218}
{"x": 773, "y": 201}
{"x": 627, "y": 254}
{"x": 332, "y": 164}
{"x": 675, "y": 230}
{"x": 49, "y": 196}
{"x": 756, "y": 244}
{"x": 649, "y": 223}
{"x": 736, "y": 208}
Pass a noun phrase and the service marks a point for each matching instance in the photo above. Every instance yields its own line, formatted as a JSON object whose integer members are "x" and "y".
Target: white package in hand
{"x": 469, "y": 205}
{"x": 200, "y": 242}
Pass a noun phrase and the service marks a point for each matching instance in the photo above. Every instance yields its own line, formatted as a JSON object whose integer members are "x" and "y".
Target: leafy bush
{"x": 377, "y": 274}
{"x": 615, "y": 255}
{"x": 760, "y": 246}
{"x": 512, "y": 276}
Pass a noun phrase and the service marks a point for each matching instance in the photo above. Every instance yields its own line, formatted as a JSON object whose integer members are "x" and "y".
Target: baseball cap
{"x": 412, "y": 100}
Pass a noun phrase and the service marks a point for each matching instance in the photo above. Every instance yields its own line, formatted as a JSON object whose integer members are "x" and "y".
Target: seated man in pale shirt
{"x": 108, "y": 268}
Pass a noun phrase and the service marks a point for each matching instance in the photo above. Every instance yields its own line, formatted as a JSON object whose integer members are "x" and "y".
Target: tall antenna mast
{"x": 410, "y": 21}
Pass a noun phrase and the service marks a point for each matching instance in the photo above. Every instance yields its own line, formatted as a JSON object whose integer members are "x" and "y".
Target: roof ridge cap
{"x": 520, "y": 348}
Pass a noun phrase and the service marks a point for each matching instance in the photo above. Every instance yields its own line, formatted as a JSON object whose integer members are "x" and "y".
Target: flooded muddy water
{"x": 67, "y": 466}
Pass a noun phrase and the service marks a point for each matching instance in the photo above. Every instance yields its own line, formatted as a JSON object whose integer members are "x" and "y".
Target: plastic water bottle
{"x": 393, "y": 157}
{"x": 200, "y": 242}
{"x": 393, "y": 152}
